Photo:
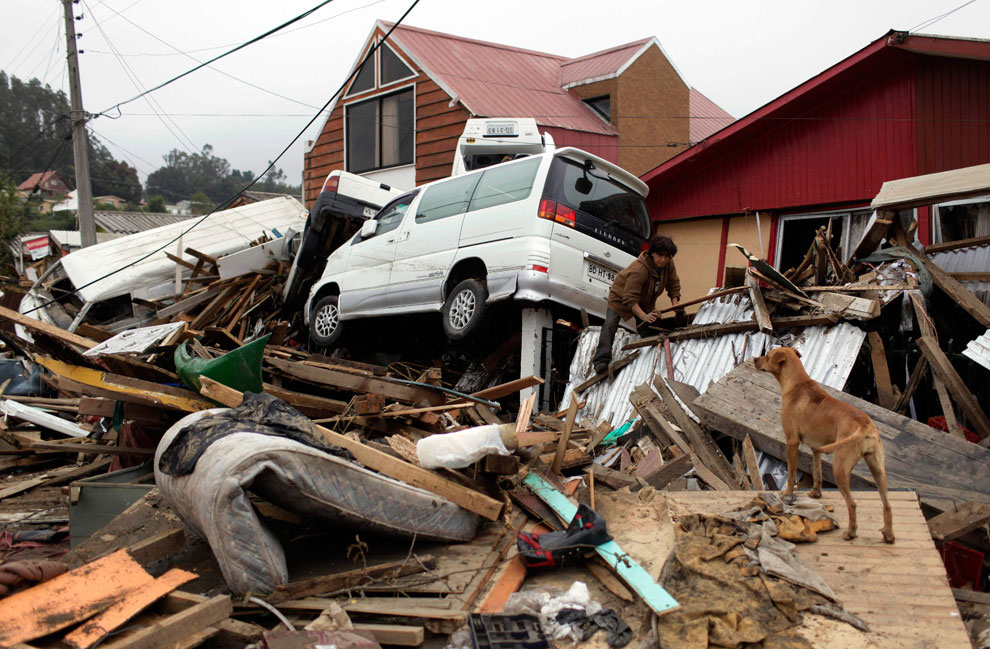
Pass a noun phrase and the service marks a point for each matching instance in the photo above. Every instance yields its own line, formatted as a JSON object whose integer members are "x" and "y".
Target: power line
{"x": 271, "y": 164}
{"x": 35, "y": 38}
{"x": 932, "y": 21}
{"x": 216, "y": 58}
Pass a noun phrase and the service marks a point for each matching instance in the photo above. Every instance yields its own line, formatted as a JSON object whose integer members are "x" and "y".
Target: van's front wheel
{"x": 324, "y": 322}
{"x": 464, "y": 309}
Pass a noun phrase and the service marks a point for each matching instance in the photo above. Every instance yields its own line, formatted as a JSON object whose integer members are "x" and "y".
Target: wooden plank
{"x": 55, "y": 477}
{"x": 525, "y": 412}
{"x": 393, "y": 634}
{"x": 961, "y": 394}
{"x": 627, "y": 568}
{"x": 669, "y": 472}
{"x": 941, "y": 468}
{"x": 956, "y": 245}
{"x": 383, "y": 462}
{"x": 956, "y": 291}
{"x": 354, "y": 383}
{"x": 69, "y": 598}
{"x": 917, "y": 374}
{"x": 752, "y": 465}
{"x": 175, "y": 628}
{"x": 612, "y": 369}
{"x": 44, "y": 327}
{"x": 324, "y": 584}
{"x": 959, "y": 521}
{"x": 103, "y": 624}
{"x": 881, "y": 374}
{"x": 971, "y": 596}
{"x": 565, "y": 436}
{"x": 760, "y": 312}
{"x": 612, "y": 478}
{"x": 505, "y": 389}
{"x": 77, "y": 447}
{"x": 879, "y": 225}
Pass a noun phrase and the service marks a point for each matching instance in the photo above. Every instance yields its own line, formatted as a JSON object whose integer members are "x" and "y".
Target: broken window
{"x": 964, "y": 219}
{"x": 797, "y": 233}
{"x": 380, "y": 132}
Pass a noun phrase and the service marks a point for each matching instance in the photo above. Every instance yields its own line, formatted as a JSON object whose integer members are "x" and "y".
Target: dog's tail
{"x": 869, "y": 444}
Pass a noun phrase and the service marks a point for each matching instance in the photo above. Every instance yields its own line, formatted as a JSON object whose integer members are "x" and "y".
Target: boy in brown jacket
{"x": 634, "y": 293}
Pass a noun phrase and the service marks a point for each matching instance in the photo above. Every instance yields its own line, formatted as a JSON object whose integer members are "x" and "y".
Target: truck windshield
{"x": 606, "y": 209}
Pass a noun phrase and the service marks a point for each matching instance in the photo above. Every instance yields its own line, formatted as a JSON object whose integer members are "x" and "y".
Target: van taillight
{"x": 331, "y": 184}
{"x": 554, "y": 211}
{"x": 645, "y": 246}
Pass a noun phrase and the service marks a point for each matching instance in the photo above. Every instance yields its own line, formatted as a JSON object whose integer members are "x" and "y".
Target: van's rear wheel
{"x": 324, "y": 322}
{"x": 464, "y": 309}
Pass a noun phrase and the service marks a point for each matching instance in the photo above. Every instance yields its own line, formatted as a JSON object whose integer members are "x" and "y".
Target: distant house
{"x": 116, "y": 201}
{"x": 251, "y": 196}
{"x": 132, "y": 222}
{"x": 180, "y": 208}
{"x": 399, "y": 118}
{"x": 48, "y": 183}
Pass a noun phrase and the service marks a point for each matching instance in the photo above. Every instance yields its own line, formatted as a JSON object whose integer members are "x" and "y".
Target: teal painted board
{"x": 631, "y": 572}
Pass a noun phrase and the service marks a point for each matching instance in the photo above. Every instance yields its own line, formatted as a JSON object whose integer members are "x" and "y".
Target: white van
{"x": 550, "y": 227}
{"x": 491, "y": 140}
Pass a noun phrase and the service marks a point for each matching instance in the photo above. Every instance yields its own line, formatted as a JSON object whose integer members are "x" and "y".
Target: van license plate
{"x": 369, "y": 212}
{"x": 500, "y": 128}
{"x": 602, "y": 274}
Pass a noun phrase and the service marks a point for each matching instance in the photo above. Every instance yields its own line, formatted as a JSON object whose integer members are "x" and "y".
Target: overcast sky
{"x": 252, "y": 103}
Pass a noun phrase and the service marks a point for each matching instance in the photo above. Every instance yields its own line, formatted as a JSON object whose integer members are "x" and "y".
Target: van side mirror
{"x": 368, "y": 228}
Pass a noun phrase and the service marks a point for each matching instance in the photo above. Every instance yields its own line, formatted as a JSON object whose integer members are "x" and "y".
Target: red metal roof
{"x": 706, "y": 116}
{"x": 600, "y": 65}
{"x": 37, "y": 179}
{"x": 494, "y": 80}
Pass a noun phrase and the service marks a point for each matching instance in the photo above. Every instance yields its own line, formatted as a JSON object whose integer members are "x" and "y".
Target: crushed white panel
{"x": 41, "y": 418}
{"x": 978, "y": 350}
{"x": 134, "y": 340}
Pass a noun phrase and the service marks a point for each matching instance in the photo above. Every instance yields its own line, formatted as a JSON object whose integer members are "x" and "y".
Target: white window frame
{"x": 937, "y": 215}
{"x": 391, "y": 91}
{"x": 378, "y": 68}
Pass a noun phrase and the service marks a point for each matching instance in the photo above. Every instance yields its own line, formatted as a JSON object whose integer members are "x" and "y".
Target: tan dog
{"x": 808, "y": 414}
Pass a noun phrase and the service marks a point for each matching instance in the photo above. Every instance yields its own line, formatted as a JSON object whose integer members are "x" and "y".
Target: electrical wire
{"x": 931, "y": 21}
{"x": 271, "y": 165}
{"x": 216, "y": 58}
{"x": 36, "y": 38}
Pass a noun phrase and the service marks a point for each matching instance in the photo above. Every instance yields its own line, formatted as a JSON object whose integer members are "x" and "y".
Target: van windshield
{"x": 606, "y": 209}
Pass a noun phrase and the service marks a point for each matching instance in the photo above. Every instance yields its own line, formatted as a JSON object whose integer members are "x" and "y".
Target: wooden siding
{"x": 953, "y": 99}
{"x": 837, "y": 152}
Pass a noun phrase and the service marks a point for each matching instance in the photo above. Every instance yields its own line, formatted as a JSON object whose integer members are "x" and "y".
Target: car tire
{"x": 464, "y": 309}
{"x": 324, "y": 322}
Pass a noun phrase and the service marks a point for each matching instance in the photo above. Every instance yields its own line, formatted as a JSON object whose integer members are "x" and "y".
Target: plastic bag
{"x": 460, "y": 449}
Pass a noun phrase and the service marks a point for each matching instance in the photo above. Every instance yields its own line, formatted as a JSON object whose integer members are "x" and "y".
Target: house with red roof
{"x": 399, "y": 118}
{"x": 903, "y": 106}
{"x": 49, "y": 183}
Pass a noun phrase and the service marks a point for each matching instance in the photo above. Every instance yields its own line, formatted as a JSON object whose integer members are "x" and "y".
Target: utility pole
{"x": 84, "y": 190}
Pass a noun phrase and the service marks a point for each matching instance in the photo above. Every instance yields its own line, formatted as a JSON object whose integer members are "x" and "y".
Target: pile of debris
{"x": 285, "y": 477}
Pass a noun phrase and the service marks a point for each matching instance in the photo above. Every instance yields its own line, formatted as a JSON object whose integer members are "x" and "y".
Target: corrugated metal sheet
{"x": 975, "y": 259}
{"x": 979, "y": 350}
{"x": 219, "y": 234}
{"x": 706, "y": 116}
{"x": 599, "y": 65}
{"x": 494, "y": 80}
{"x": 828, "y": 354}
{"x": 132, "y": 222}
{"x": 72, "y": 239}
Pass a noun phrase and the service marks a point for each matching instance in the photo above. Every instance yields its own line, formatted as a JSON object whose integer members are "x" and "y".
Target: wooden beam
{"x": 176, "y": 628}
{"x": 872, "y": 237}
{"x": 970, "y": 277}
{"x": 669, "y": 472}
{"x": 565, "y": 436}
{"x": 704, "y": 298}
{"x": 44, "y": 327}
{"x": 752, "y": 465}
{"x": 382, "y": 462}
{"x": 956, "y": 245}
{"x": 961, "y": 394}
{"x": 505, "y": 389}
{"x": 326, "y": 584}
{"x": 881, "y": 374}
{"x": 393, "y": 634}
{"x": 956, "y": 291}
{"x": 356, "y": 383}
{"x": 612, "y": 369}
{"x": 760, "y": 313}
{"x": 962, "y": 520}
{"x": 917, "y": 374}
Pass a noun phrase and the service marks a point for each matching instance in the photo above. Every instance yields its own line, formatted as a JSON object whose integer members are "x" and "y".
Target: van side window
{"x": 446, "y": 199}
{"x": 390, "y": 216}
{"x": 505, "y": 184}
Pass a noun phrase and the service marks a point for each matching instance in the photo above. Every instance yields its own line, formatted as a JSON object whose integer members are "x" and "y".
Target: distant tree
{"x": 12, "y": 210}
{"x": 156, "y": 203}
{"x": 200, "y": 203}
{"x": 185, "y": 173}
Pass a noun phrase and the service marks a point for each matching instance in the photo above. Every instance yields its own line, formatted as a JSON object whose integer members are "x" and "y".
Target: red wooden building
{"x": 902, "y": 106}
{"x": 399, "y": 118}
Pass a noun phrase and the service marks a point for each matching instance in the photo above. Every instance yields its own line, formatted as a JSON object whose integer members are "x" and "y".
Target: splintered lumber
{"x": 944, "y": 370}
{"x": 382, "y": 462}
{"x": 54, "y": 477}
{"x": 917, "y": 374}
{"x": 44, "y": 327}
{"x": 612, "y": 369}
{"x": 876, "y": 230}
{"x": 393, "y": 634}
{"x": 100, "y": 626}
{"x": 356, "y": 383}
{"x": 760, "y": 312}
{"x": 752, "y": 465}
{"x": 69, "y": 598}
{"x": 176, "y": 628}
{"x": 612, "y": 478}
{"x": 714, "y": 330}
{"x": 850, "y": 306}
{"x": 705, "y": 298}
{"x": 939, "y": 467}
{"x": 565, "y": 436}
{"x": 123, "y": 388}
{"x": 669, "y": 472}
{"x": 702, "y": 442}
{"x": 640, "y": 581}
{"x": 881, "y": 373}
{"x": 962, "y": 520}
{"x": 505, "y": 389}
{"x": 955, "y": 290}
{"x": 41, "y": 418}
{"x": 351, "y": 578}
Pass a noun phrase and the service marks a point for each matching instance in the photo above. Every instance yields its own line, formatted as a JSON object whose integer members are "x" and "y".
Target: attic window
{"x": 601, "y": 105}
{"x": 391, "y": 67}
{"x": 365, "y": 79}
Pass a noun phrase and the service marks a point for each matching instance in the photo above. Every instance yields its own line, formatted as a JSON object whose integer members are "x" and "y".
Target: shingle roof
{"x": 706, "y": 116}
{"x": 131, "y": 222}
